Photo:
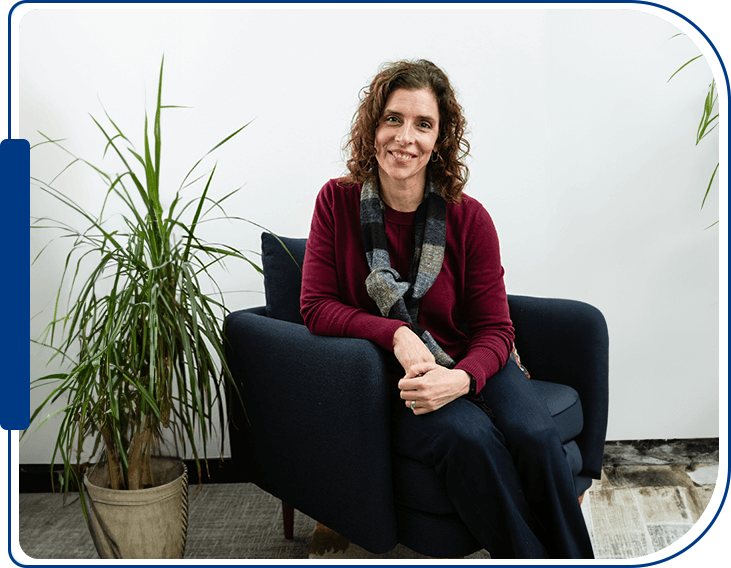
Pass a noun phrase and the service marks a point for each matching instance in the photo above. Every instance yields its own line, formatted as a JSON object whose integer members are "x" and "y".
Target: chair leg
{"x": 288, "y": 518}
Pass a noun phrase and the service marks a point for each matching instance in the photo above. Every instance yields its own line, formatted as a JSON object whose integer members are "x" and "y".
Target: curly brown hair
{"x": 449, "y": 172}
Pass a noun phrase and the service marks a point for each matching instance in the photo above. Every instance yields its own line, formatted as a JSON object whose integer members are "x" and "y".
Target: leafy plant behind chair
{"x": 150, "y": 347}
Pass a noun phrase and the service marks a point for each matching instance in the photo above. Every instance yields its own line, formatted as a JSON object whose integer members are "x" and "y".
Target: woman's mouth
{"x": 401, "y": 156}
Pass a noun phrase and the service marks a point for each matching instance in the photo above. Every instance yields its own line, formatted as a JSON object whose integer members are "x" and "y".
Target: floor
{"x": 648, "y": 497}
{"x": 650, "y": 494}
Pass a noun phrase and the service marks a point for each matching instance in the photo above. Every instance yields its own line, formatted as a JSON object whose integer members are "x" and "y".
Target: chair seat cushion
{"x": 417, "y": 485}
{"x": 573, "y": 456}
{"x": 565, "y": 407}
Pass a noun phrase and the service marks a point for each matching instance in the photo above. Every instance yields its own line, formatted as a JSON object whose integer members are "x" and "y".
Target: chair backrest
{"x": 282, "y": 260}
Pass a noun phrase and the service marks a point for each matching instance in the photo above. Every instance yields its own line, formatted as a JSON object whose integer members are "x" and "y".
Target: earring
{"x": 434, "y": 157}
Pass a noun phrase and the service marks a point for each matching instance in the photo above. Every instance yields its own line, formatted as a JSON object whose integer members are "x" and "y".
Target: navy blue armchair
{"x": 320, "y": 440}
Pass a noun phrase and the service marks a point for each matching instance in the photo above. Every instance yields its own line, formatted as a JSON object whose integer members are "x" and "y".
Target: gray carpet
{"x": 225, "y": 521}
{"x": 651, "y": 493}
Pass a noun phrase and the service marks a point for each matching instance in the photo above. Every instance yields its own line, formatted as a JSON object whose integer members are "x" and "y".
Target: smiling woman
{"x": 429, "y": 290}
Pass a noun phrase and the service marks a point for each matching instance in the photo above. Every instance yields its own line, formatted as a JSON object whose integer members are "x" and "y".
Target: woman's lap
{"x": 511, "y": 460}
{"x": 519, "y": 415}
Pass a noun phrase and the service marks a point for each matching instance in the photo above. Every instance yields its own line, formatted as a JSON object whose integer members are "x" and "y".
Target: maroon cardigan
{"x": 465, "y": 310}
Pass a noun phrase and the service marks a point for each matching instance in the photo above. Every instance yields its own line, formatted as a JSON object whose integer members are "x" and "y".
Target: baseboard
{"x": 686, "y": 451}
{"x": 38, "y": 478}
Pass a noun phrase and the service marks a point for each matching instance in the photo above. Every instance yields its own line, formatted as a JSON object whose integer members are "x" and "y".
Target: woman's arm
{"x": 333, "y": 300}
{"x": 486, "y": 312}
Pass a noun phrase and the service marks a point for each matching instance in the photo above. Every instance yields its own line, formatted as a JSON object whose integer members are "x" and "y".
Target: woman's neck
{"x": 402, "y": 195}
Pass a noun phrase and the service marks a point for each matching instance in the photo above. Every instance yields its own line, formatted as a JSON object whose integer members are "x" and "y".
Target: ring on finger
{"x": 413, "y": 404}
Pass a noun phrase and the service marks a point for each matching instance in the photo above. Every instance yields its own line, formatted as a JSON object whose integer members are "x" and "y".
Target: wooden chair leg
{"x": 581, "y": 498}
{"x": 288, "y": 518}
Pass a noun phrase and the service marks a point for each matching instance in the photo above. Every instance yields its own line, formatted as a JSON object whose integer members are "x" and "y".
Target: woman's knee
{"x": 457, "y": 429}
{"x": 520, "y": 414}
{"x": 533, "y": 442}
{"x": 473, "y": 437}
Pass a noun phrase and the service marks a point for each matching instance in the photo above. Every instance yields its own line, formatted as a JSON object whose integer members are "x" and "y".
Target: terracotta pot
{"x": 145, "y": 523}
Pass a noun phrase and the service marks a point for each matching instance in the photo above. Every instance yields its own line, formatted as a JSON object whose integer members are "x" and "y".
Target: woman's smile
{"x": 401, "y": 156}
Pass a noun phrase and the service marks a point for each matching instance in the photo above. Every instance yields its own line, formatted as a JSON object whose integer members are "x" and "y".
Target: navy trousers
{"x": 508, "y": 476}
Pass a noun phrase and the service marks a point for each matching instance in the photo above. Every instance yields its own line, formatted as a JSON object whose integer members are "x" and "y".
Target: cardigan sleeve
{"x": 487, "y": 315}
{"x": 334, "y": 271}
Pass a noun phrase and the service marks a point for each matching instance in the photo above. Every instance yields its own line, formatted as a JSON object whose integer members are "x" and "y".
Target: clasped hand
{"x": 428, "y": 385}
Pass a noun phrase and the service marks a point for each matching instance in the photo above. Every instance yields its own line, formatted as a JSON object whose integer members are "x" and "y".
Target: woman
{"x": 398, "y": 255}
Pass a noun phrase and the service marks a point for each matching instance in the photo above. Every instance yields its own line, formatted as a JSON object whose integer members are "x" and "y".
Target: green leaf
{"x": 709, "y": 186}
{"x": 221, "y": 143}
{"x": 682, "y": 66}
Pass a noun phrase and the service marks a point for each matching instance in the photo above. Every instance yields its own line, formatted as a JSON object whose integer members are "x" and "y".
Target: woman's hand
{"x": 432, "y": 386}
{"x": 410, "y": 349}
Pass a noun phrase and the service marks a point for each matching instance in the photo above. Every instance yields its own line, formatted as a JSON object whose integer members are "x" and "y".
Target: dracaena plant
{"x": 708, "y": 120}
{"x": 148, "y": 339}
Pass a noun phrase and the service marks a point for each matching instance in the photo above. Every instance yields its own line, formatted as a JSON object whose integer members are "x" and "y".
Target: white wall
{"x": 581, "y": 151}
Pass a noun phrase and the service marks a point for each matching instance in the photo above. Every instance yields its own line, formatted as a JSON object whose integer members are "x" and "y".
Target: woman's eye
{"x": 425, "y": 125}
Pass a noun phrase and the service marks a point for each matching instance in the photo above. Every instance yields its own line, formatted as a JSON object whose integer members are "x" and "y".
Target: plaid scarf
{"x": 395, "y": 297}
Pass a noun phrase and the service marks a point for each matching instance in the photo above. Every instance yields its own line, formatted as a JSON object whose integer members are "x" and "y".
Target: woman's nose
{"x": 405, "y": 134}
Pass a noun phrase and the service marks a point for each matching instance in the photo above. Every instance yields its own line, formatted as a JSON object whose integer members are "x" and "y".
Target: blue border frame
{"x": 15, "y": 167}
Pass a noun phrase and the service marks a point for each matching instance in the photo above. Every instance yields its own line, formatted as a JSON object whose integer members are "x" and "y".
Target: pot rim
{"x": 146, "y": 492}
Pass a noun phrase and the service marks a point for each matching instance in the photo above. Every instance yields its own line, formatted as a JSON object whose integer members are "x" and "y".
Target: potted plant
{"x": 143, "y": 346}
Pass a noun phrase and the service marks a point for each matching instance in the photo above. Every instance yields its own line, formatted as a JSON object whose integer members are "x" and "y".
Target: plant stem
{"x": 116, "y": 480}
{"x": 138, "y": 451}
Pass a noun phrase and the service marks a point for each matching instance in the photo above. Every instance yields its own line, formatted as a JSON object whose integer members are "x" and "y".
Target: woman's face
{"x": 406, "y": 135}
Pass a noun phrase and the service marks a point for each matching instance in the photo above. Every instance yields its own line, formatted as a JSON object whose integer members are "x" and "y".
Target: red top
{"x": 465, "y": 310}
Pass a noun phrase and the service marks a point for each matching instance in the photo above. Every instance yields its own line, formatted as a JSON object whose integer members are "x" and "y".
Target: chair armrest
{"x": 318, "y": 432}
{"x": 567, "y": 342}
{"x": 257, "y": 311}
